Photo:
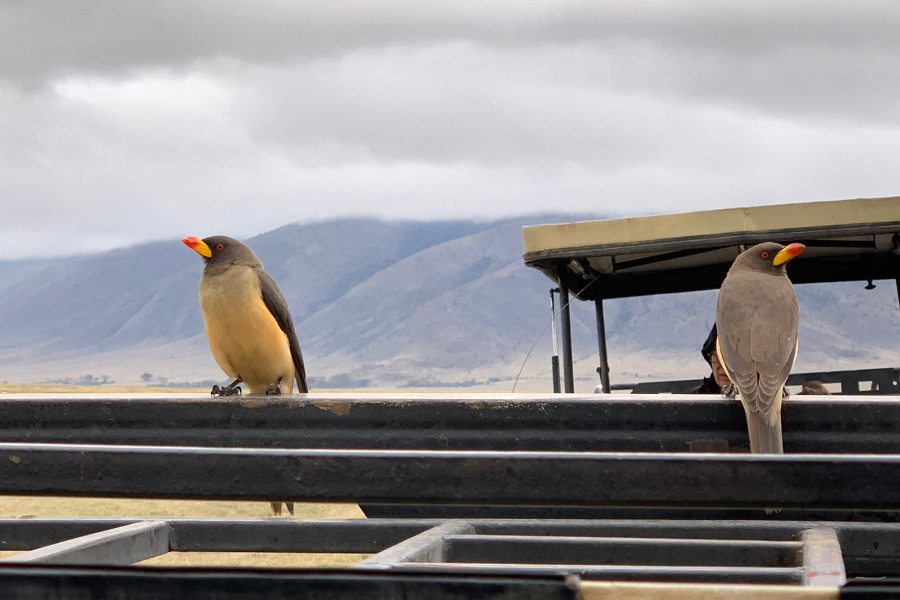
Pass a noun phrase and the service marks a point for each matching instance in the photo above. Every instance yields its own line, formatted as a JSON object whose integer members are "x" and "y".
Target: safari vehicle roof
{"x": 847, "y": 240}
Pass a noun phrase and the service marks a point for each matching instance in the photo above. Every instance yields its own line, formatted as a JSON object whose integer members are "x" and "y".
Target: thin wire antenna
{"x": 547, "y": 326}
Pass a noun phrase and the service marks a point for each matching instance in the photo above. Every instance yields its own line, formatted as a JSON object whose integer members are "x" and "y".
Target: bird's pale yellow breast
{"x": 244, "y": 337}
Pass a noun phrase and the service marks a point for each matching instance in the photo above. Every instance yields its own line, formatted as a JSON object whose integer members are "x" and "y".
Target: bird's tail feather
{"x": 300, "y": 374}
{"x": 765, "y": 433}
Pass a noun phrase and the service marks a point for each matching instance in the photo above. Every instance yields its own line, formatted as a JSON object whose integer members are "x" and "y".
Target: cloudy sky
{"x": 125, "y": 121}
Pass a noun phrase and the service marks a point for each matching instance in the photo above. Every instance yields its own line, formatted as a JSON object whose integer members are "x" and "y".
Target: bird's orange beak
{"x": 787, "y": 253}
{"x": 197, "y": 245}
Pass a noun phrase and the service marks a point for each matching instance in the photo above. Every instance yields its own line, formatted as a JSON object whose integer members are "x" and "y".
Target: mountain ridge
{"x": 389, "y": 303}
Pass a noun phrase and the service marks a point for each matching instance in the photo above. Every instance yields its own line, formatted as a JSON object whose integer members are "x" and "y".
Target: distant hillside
{"x": 385, "y": 304}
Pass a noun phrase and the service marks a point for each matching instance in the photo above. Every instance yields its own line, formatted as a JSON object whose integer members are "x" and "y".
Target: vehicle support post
{"x": 554, "y": 358}
{"x": 554, "y": 365}
{"x": 898, "y": 289}
{"x": 566, "y": 328}
{"x": 601, "y": 341}
{"x": 895, "y": 250}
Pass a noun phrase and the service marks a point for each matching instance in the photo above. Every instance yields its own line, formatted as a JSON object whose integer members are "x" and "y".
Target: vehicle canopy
{"x": 846, "y": 240}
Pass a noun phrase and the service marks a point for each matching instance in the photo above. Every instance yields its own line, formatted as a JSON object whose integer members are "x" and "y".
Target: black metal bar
{"x": 462, "y": 422}
{"x": 883, "y": 588}
{"x": 124, "y": 545}
{"x": 541, "y": 549}
{"x": 885, "y": 379}
{"x": 357, "y": 536}
{"x": 566, "y": 330}
{"x": 554, "y": 358}
{"x": 823, "y": 564}
{"x": 556, "y": 511}
{"x": 866, "y": 545}
{"x": 864, "y": 244}
{"x": 500, "y": 478}
{"x": 707, "y": 277}
{"x": 759, "y": 575}
{"x": 674, "y": 529}
{"x": 869, "y": 549}
{"x": 658, "y": 258}
{"x": 897, "y": 281}
{"x": 364, "y": 536}
{"x": 374, "y": 535}
{"x": 426, "y": 547}
{"x": 28, "y": 533}
{"x": 554, "y": 367}
{"x": 895, "y": 250}
{"x": 601, "y": 341}
{"x": 70, "y": 583}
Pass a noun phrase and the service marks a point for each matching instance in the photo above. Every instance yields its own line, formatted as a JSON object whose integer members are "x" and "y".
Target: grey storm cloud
{"x": 126, "y": 121}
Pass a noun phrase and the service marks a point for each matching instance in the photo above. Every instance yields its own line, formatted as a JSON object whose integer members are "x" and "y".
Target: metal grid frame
{"x": 694, "y": 519}
{"x": 797, "y": 553}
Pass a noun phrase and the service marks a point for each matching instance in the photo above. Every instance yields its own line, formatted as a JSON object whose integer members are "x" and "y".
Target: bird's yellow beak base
{"x": 787, "y": 253}
{"x": 197, "y": 245}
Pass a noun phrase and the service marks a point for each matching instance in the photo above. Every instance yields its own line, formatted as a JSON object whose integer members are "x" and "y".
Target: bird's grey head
{"x": 222, "y": 251}
{"x": 768, "y": 257}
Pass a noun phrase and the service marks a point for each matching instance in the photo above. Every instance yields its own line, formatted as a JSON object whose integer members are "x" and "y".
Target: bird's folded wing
{"x": 277, "y": 305}
{"x": 757, "y": 319}
{"x": 769, "y": 385}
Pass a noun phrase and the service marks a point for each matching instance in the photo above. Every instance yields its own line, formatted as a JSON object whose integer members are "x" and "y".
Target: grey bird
{"x": 757, "y": 317}
{"x": 248, "y": 323}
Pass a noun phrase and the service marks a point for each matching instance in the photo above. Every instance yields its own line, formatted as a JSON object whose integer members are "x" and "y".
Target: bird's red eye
{"x": 764, "y": 253}
{"x": 221, "y": 247}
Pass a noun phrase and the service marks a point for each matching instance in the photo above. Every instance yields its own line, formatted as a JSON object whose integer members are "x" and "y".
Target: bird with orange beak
{"x": 248, "y": 323}
{"x": 758, "y": 318}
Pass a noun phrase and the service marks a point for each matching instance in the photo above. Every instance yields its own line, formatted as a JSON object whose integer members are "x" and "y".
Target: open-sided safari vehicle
{"x": 527, "y": 496}
{"x": 847, "y": 240}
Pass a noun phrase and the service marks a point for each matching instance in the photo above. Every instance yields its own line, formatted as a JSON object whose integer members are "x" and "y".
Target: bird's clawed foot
{"x": 232, "y": 389}
{"x": 730, "y": 391}
{"x": 274, "y": 389}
